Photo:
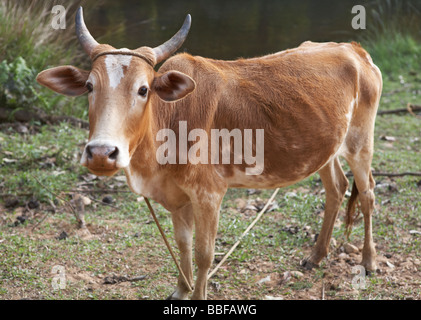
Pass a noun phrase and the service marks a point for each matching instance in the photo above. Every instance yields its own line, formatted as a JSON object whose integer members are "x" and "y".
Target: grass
{"x": 39, "y": 43}
{"x": 125, "y": 240}
{"x": 393, "y": 31}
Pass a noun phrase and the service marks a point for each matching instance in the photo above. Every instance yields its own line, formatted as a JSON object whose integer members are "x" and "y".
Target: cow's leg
{"x": 183, "y": 232}
{"x": 206, "y": 216}
{"x": 361, "y": 168}
{"x": 336, "y": 184}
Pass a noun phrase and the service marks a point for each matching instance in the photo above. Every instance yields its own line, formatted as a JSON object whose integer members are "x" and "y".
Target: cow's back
{"x": 301, "y": 97}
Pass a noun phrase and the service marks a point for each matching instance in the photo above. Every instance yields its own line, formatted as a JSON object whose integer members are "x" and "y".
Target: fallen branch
{"x": 100, "y": 191}
{"x": 72, "y": 120}
{"x": 45, "y": 216}
{"x": 76, "y": 214}
{"x": 390, "y": 174}
{"x": 402, "y": 174}
{"x": 114, "y": 279}
{"x": 411, "y": 108}
{"x": 8, "y": 115}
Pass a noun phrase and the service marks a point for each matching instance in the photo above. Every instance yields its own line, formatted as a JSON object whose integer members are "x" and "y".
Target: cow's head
{"x": 121, "y": 86}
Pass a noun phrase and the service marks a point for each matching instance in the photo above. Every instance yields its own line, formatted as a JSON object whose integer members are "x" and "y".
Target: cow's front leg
{"x": 206, "y": 216}
{"x": 183, "y": 231}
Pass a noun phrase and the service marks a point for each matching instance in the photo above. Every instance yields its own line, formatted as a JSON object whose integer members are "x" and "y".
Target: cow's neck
{"x": 143, "y": 165}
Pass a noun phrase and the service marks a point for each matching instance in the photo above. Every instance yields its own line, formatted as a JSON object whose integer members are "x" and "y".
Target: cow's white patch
{"x": 114, "y": 65}
{"x": 351, "y": 110}
{"x": 136, "y": 182}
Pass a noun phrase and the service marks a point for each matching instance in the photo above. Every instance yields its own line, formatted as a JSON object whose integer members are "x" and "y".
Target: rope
{"x": 228, "y": 253}
{"x": 124, "y": 53}
{"x": 167, "y": 243}
{"x": 244, "y": 234}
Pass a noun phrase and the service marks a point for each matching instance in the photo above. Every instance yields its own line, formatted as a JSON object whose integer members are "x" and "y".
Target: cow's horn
{"x": 86, "y": 40}
{"x": 166, "y": 49}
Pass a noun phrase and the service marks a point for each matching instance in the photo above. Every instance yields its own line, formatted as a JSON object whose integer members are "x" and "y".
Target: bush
{"x": 29, "y": 45}
{"x": 393, "y": 35}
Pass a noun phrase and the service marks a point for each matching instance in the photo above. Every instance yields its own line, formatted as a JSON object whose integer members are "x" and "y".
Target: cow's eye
{"x": 89, "y": 86}
{"x": 143, "y": 91}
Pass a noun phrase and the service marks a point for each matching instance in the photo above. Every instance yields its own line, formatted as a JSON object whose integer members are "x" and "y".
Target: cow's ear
{"x": 67, "y": 80}
{"x": 173, "y": 85}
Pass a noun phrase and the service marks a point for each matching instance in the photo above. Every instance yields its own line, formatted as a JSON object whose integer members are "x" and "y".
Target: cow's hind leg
{"x": 361, "y": 168}
{"x": 336, "y": 184}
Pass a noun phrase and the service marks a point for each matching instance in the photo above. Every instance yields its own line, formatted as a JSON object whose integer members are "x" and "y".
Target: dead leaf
{"x": 414, "y": 232}
{"x": 387, "y": 138}
{"x": 89, "y": 177}
{"x": 7, "y": 160}
{"x": 273, "y": 298}
{"x": 266, "y": 279}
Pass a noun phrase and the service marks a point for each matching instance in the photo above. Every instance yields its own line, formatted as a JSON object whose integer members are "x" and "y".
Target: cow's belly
{"x": 281, "y": 171}
{"x": 239, "y": 179}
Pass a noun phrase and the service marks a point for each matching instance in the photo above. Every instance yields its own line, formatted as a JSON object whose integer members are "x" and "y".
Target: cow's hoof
{"x": 176, "y": 296}
{"x": 307, "y": 264}
{"x": 172, "y": 297}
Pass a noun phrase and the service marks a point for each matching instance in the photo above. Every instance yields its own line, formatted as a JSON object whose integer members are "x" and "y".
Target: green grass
{"x": 126, "y": 242}
{"x": 392, "y": 36}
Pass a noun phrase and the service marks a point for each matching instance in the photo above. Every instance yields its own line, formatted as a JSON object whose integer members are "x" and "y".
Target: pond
{"x": 222, "y": 29}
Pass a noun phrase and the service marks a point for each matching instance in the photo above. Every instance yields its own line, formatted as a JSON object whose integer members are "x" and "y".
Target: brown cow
{"x": 315, "y": 103}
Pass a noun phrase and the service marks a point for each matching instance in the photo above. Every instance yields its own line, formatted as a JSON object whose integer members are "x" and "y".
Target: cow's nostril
{"x": 89, "y": 152}
{"x": 113, "y": 155}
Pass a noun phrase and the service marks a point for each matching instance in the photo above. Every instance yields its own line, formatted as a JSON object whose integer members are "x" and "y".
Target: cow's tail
{"x": 350, "y": 210}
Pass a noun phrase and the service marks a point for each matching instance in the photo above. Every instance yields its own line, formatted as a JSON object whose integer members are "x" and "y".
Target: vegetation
{"x": 29, "y": 45}
{"x": 41, "y": 177}
{"x": 393, "y": 37}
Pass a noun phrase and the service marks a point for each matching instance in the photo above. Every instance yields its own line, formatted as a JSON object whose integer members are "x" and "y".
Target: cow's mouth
{"x": 103, "y": 172}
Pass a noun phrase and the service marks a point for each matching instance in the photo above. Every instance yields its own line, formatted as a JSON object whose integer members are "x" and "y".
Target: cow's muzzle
{"x": 102, "y": 160}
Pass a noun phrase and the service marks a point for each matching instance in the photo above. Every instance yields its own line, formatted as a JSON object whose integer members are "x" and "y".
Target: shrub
{"x": 29, "y": 45}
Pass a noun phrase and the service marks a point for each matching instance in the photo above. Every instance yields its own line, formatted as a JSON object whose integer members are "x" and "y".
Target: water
{"x": 223, "y": 29}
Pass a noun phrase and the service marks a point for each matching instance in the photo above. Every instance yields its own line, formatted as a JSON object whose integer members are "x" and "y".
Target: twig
{"x": 100, "y": 191}
{"x": 114, "y": 279}
{"x": 104, "y": 203}
{"x": 402, "y": 174}
{"x": 44, "y": 217}
{"x": 244, "y": 233}
{"x": 24, "y": 194}
{"x": 411, "y": 108}
{"x": 59, "y": 197}
{"x": 186, "y": 282}
{"x": 72, "y": 120}
{"x": 389, "y": 174}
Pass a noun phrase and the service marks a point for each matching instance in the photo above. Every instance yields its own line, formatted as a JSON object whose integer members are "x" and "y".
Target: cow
{"x": 315, "y": 103}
